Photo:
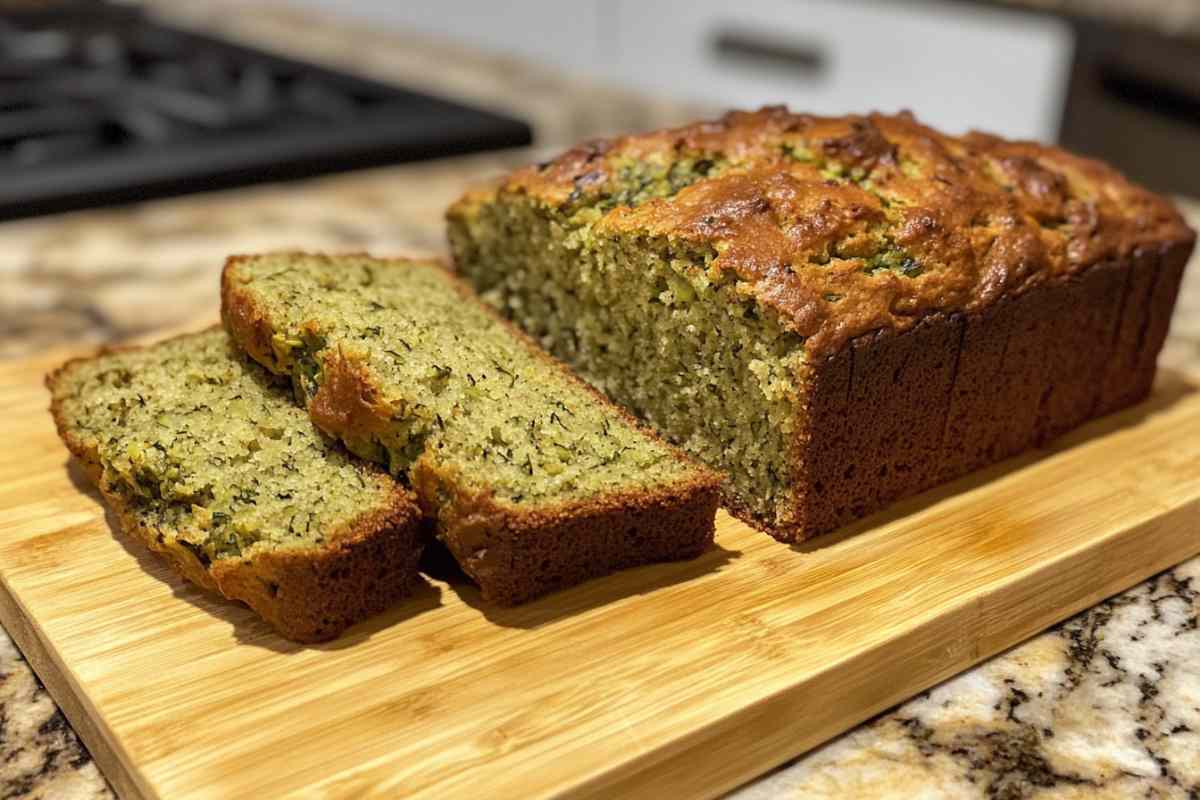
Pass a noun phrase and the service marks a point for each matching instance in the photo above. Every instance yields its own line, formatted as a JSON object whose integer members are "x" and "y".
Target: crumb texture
{"x": 206, "y": 458}
{"x": 206, "y": 444}
{"x": 528, "y": 470}
{"x": 436, "y": 372}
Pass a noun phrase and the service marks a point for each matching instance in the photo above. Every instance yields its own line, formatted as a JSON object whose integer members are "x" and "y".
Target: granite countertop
{"x": 1106, "y": 704}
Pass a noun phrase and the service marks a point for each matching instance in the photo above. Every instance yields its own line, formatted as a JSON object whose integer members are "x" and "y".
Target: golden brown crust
{"x": 514, "y": 554}
{"x": 984, "y": 218}
{"x": 245, "y": 322}
{"x": 347, "y": 403}
{"x": 307, "y": 595}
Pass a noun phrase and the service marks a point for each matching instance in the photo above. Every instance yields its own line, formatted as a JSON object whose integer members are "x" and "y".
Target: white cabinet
{"x": 954, "y": 65}
{"x": 564, "y": 34}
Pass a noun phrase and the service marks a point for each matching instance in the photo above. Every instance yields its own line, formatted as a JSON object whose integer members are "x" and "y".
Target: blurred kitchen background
{"x": 104, "y": 102}
{"x": 1119, "y": 79}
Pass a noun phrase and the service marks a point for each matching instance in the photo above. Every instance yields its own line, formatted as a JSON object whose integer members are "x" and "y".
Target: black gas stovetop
{"x": 102, "y": 104}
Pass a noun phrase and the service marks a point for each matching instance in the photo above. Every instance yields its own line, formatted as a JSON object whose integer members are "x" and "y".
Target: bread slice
{"x": 836, "y": 312}
{"x": 206, "y": 460}
{"x": 536, "y": 481}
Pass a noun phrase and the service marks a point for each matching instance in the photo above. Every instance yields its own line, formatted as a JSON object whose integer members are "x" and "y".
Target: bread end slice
{"x": 365, "y": 565}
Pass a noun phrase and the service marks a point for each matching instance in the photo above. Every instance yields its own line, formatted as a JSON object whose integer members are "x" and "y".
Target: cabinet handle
{"x": 735, "y": 44}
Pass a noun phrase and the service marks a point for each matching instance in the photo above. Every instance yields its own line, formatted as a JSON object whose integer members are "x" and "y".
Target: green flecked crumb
{"x": 895, "y": 260}
{"x": 647, "y": 322}
{"x": 636, "y": 182}
{"x": 459, "y": 386}
{"x": 207, "y": 447}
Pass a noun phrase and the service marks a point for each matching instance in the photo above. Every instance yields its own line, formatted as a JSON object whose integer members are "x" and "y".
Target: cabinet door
{"x": 954, "y": 65}
{"x": 562, "y": 34}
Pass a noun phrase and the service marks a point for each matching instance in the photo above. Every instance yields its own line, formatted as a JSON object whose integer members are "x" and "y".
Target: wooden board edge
{"x": 751, "y": 741}
{"x": 112, "y": 759}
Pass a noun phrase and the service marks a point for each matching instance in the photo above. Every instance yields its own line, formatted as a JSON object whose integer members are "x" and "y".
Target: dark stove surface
{"x": 101, "y": 104}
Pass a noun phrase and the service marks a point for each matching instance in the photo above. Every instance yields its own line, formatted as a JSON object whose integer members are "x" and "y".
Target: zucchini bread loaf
{"x": 535, "y": 480}
{"x": 209, "y": 463}
{"x": 834, "y": 312}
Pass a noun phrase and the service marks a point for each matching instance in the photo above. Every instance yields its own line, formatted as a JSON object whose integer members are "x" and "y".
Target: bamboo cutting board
{"x": 664, "y": 681}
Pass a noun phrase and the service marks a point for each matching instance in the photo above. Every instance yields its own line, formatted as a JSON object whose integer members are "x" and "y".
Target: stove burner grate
{"x": 101, "y": 104}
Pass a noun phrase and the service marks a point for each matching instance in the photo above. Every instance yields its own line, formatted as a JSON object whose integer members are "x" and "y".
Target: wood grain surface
{"x": 665, "y": 681}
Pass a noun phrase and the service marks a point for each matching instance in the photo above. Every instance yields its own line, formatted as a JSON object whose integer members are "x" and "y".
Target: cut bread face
{"x": 204, "y": 457}
{"x": 536, "y": 480}
{"x": 717, "y": 378}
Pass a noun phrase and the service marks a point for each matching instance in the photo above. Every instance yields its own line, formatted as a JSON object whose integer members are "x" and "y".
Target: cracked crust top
{"x": 843, "y": 225}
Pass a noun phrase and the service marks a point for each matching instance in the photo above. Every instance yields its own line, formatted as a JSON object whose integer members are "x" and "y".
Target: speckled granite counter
{"x": 1105, "y": 705}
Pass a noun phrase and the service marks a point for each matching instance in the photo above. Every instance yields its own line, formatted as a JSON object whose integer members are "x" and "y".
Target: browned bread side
{"x": 895, "y": 414}
{"x": 364, "y": 565}
{"x": 519, "y": 556}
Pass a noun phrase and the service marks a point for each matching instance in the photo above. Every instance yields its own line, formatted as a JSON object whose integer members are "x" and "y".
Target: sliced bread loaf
{"x": 536, "y": 481}
{"x": 837, "y": 312}
{"x": 208, "y": 462}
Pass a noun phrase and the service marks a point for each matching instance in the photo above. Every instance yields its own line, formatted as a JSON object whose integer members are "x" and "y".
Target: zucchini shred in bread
{"x": 208, "y": 462}
{"x": 834, "y": 312}
{"x": 535, "y": 480}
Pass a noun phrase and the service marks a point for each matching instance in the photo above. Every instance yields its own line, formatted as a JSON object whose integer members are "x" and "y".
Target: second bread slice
{"x": 537, "y": 482}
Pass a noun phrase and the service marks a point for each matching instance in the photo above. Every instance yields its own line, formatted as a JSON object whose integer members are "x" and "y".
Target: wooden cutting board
{"x": 666, "y": 681}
